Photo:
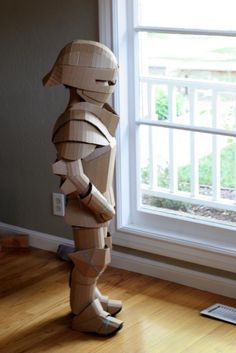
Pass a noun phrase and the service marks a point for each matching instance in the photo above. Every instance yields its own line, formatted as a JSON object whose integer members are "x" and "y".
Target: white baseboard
{"x": 37, "y": 239}
{"x": 196, "y": 279}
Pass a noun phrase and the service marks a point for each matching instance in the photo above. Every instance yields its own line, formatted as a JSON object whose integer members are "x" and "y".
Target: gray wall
{"x": 32, "y": 32}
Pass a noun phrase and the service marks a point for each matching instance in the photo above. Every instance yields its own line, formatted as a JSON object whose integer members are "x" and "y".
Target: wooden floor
{"x": 159, "y": 316}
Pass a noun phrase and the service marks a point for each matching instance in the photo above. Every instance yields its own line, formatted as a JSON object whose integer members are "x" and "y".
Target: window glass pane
{"x": 203, "y": 108}
{"x": 180, "y": 103}
{"x": 174, "y": 206}
{"x": 158, "y": 102}
{"x": 188, "y": 80}
{"x": 182, "y": 160}
{"x": 204, "y": 159}
{"x": 145, "y": 156}
{"x": 153, "y": 101}
{"x": 188, "y": 172}
{"x": 153, "y": 147}
{"x": 143, "y": 101}
{"x": 161, "y": 102}
{"x": 227, "y": 147}
{"x": 226, "y": 110}
{"x": 187, "y": 56}
{"x": 201, "y": 14}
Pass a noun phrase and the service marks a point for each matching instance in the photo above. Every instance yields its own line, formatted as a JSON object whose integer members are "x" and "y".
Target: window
{"x": 187, "y": 94}
{"x": 176, "y": 168}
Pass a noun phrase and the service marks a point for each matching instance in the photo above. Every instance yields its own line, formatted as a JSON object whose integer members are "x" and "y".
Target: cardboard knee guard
{"x": 91, "y": 262}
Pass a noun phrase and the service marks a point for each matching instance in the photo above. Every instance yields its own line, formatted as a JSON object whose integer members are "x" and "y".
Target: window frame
{"x": 195, "y": 241}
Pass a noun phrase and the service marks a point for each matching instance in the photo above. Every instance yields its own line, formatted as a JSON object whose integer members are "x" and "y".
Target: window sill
{"x": 174, "y": 245}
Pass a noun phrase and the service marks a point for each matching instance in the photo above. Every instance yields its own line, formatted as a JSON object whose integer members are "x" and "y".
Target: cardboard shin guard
{"x": 89, "y": 264}
{"x": 90, "y": 315}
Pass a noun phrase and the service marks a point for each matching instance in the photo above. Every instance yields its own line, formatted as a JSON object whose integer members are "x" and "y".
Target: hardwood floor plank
{"x": 159, "y": 316}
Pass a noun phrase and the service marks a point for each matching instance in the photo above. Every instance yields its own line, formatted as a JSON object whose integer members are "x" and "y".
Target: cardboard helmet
{"x": 89, "y": 66}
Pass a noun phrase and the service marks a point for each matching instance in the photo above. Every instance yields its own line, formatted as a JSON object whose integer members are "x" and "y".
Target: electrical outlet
{"x": 58, "y": 204}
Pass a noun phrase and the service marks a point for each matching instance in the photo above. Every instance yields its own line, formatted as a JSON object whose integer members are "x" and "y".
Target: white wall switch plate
{"x": 58, "y": 204}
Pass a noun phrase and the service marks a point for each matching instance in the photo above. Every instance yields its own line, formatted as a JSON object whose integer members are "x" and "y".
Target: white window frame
{"x": 198, "y": 242}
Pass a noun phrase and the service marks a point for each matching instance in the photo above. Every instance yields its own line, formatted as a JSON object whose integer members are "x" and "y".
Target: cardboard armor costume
{"x": 84, "y": 139}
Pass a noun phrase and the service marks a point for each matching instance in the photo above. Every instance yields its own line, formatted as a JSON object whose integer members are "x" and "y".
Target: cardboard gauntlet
{"x": 98, "y": 204}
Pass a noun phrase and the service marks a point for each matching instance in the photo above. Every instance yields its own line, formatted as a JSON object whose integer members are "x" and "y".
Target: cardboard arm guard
{"x": 98, "y": 204}
{"x": 75, "y": 179}
{"x": 88, "y": 194}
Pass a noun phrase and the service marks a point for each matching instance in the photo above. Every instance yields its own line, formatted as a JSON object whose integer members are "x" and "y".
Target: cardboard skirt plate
{"x": 221, "y": 312}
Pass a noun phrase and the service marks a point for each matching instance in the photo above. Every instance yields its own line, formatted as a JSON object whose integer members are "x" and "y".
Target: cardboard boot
{"x": 89, "y": 313}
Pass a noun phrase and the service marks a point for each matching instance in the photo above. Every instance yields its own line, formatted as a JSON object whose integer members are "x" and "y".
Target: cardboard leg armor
{"x": 90, "y": 261}
{"x": 110, "y": 305}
